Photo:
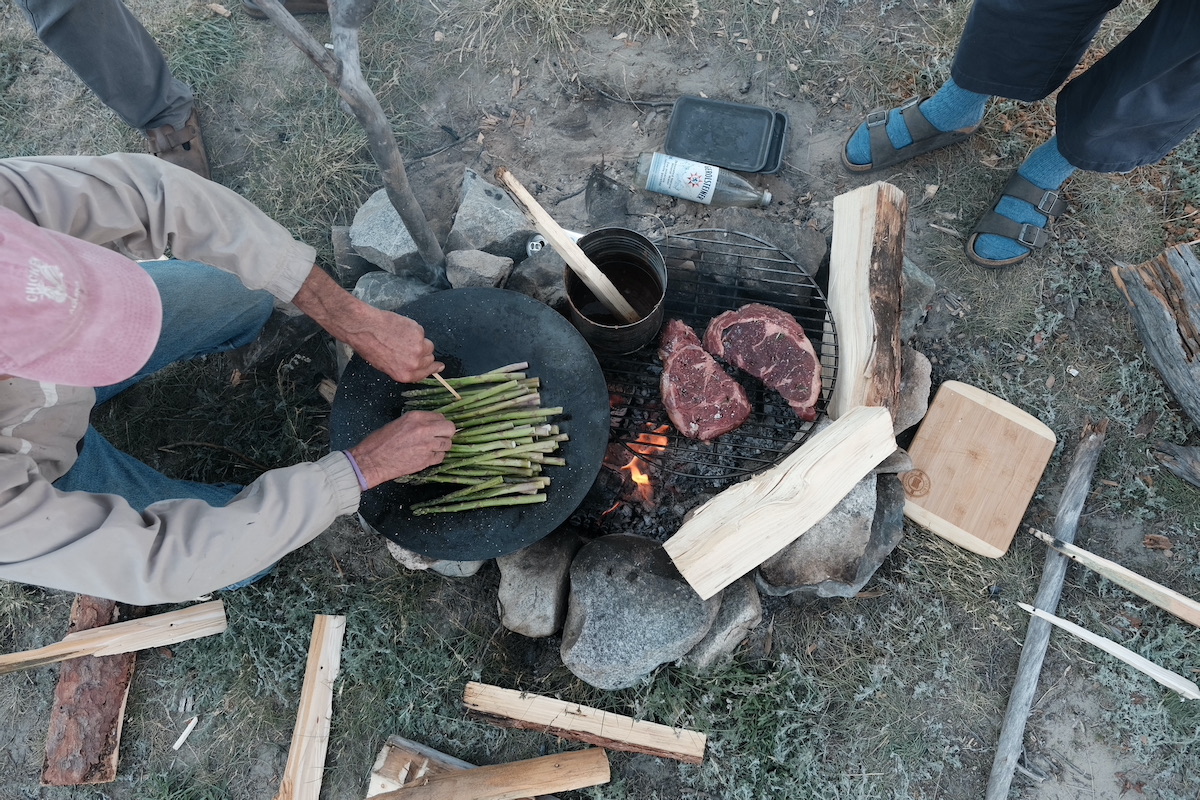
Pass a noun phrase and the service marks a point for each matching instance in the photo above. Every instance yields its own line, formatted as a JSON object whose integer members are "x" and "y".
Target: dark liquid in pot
{"x": 636, "y": 283}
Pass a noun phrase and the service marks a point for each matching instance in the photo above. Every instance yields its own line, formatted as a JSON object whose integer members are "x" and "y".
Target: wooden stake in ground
{"x": 748, "y": 523}
{"x": 513, "y": 709}
{"x": 1172, "y": 680}
{"x": 1037, "y": 637}
{"x": 557, "y": 773}
{"x": 343, "y": 70}
{"x": 310, "y": 738}
{"x": 1164, "y": 299}
{"x": 866, "y": 264}
{"x": 1180, "y": 605}
{"x": 89, "y": 706}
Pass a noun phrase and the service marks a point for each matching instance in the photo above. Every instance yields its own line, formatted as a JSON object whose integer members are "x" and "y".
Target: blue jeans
{"x": 205, "y": 311}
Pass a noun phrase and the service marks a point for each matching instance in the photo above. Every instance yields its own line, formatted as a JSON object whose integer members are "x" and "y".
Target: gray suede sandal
{"x": 925, "y": 138}
{"x": 1026, "y": 234}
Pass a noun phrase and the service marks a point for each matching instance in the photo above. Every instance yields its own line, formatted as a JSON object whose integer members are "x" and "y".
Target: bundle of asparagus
{"x": 503, "y": 439}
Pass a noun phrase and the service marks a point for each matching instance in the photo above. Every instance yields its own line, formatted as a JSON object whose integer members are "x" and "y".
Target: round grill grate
{"x": 710, "y": 271}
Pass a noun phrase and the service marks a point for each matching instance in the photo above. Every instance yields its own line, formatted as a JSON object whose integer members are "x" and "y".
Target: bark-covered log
{"x": 344, "y": 72}
{"x": 1164, "y": 298}
{"x": 1183, "y": 461}
{"x": 89, "y": 706}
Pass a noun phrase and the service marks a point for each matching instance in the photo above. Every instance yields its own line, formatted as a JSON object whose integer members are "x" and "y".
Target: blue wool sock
{"x": 951, "y": 109}
{"x": 1045, "y": 168}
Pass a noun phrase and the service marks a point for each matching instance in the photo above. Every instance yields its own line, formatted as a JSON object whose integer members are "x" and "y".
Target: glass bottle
{"x": 692, "y": 180}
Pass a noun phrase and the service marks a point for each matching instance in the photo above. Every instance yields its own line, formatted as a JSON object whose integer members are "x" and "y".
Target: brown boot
{"x": 183, "y": 147}
{"x": 293, "y": 7}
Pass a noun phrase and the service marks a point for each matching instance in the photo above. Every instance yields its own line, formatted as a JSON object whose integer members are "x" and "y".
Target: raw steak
{"x": 770, "y": 345}
{"x": 701, "y": 399}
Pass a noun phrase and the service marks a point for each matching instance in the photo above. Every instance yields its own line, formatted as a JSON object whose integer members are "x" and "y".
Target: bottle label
{"x": 678, "y": 177}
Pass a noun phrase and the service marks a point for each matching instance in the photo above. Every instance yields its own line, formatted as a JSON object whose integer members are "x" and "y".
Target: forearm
{"x": 341, "y": 314}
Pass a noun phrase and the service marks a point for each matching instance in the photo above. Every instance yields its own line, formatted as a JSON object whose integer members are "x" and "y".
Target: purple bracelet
{"x": 362, "y": 481}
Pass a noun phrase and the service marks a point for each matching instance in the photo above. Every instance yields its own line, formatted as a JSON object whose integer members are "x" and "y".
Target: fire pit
{"x": 711, "y": 271}
{"x": 653, "y": 475}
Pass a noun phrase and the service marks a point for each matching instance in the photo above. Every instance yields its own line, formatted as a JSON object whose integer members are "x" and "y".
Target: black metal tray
{"x": 735, "y": 136}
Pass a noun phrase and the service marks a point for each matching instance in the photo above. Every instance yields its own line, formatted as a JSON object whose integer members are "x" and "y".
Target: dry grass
{"x": 897, "y": 695}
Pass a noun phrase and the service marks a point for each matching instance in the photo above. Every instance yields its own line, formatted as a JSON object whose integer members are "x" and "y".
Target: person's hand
{"x": 417, "y": 440}
{"x": 395, "y": 345}
{"x": 390, "y": 343}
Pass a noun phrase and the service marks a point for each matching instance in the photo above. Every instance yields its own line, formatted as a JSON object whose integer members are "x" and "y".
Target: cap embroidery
{"x": 46, "y": 282}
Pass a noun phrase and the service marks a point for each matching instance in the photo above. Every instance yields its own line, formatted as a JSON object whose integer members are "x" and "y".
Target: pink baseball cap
{"x": 71, "y": 312}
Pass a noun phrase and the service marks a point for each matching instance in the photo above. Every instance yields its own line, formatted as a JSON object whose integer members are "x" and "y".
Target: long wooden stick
{"x": 1172, "y": 680}
{"x": 1178, "y": 604}
{"x": 343, "y": 70}
{"x": 1033, "y": 652}
{"x": 557, "y": 773}
{"x": 160, "y": 630}
{"x": 571, "y": 253}
{"x": 510, "y": 708}
{"x": 310, "y": 738}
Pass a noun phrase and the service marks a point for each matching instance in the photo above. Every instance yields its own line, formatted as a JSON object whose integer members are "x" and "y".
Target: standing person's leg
{"x": 204, "y": 311}
{"x": 1014, "y": 48}
{"x": 110, "y": 51}
{"x": 1130, "y": 108}
{"x": 1141, "y": 100}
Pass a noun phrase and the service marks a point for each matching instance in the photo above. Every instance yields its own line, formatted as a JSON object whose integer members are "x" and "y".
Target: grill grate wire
{"x": 710, "y": 271}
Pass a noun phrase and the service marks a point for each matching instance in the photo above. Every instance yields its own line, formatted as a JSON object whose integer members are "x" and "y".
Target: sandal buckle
{"x": 909, "y": 103}
{"x": 1031, "y": 236}
{"x": 1048, "y": 202}
{"x": 876, "y": 118}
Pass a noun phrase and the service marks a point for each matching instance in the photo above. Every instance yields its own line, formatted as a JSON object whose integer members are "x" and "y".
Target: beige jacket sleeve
{"x": 177, "y": 549}
{"x": 142, "y": 205}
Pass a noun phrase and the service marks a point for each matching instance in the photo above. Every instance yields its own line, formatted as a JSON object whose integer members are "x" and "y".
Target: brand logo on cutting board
{"x": 916, "y": 483}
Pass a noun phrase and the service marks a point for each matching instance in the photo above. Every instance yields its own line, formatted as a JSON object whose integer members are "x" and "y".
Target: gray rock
{"x": 607, "y": 201}
{"x": 916, "y": 382}
{"x": 489, "y": 220}
{"x": 741, "y": 612}
{"x": 897, "y": 462}
{"x": 389, "y": 292}
{"x": 829, "y": 550}
{"x": 466, "y": 268}
{"x": 350, "y": 266}
{"x": 887, "y": 530}
{"x": 917, "y": 288}
{"x": 533, "y": 584}
{"x": 629, "y": 612}
{"x": 541, "y": 277}
{"x": 378, "y": 235}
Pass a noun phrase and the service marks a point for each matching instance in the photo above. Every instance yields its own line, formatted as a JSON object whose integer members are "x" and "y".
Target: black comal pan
{"x": 473, "y": 331}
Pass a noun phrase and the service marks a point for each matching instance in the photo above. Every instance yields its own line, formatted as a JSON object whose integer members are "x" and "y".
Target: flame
{"x": 641, "y": 479}
{"x": 646, "y": 444}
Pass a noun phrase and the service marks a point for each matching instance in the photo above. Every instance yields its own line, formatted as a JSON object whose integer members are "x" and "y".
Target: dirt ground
{"x": 554, "y": 120}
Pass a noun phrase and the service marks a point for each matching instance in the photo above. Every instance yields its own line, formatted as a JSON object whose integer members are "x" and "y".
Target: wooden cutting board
{"x": 978, "y": 460}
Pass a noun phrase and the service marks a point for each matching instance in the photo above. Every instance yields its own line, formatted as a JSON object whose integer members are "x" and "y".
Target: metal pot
{"x": 638, "y": 271}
